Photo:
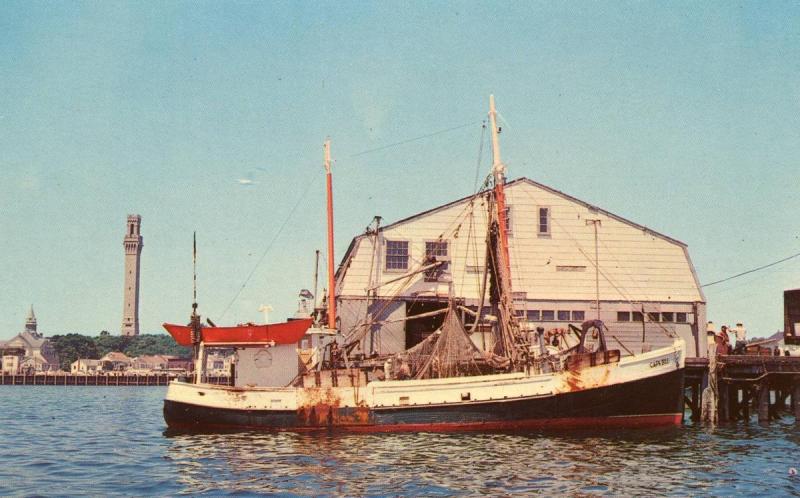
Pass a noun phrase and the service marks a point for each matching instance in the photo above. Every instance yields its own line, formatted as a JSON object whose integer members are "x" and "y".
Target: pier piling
{"x": 739, "y": 383}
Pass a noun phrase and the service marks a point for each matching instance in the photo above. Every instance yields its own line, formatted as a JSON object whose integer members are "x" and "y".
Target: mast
{"x": 331, "y": 281}
{"x": 316, "y": 278}
{"x": 499, "y": 172}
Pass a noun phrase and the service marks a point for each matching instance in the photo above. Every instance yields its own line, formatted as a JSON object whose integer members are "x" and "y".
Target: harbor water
{"x": 112, "y": 441}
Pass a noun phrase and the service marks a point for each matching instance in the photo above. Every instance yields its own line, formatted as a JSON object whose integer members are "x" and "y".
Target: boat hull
{"x": 649, "y": 402}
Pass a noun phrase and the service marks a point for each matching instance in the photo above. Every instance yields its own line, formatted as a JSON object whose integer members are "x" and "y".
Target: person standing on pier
{"x": 741, "y": 339}
{"x": 724, "y": 342}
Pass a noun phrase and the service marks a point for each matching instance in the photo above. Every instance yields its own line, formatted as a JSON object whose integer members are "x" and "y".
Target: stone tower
{"x": 133, "y": 252}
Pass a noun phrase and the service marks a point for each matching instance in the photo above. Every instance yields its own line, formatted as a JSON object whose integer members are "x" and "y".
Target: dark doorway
{"x": 420, "y": 328}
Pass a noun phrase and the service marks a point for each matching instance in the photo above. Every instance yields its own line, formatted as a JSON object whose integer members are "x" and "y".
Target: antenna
{"x": 194, "y": 272}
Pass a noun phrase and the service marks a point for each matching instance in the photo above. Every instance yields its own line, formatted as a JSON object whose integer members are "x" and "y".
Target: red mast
{"x": 331, "y": 280}
{"x": 499, "y": 170}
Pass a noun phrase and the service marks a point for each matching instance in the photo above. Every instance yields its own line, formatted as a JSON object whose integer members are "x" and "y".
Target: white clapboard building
{"x": 645, "y": 282}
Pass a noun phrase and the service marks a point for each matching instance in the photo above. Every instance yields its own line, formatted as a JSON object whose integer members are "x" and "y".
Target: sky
{"x": 210, "y": 117}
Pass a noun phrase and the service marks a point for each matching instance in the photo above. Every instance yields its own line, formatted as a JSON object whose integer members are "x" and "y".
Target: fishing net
{"x": 448, "y": 352}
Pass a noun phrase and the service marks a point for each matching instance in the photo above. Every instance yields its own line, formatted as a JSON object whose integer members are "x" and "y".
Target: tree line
{"x": 71, "y": 347}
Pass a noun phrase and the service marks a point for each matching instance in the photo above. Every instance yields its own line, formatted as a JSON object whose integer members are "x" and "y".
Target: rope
{"x": 751, "y": 271}
{"x": 403, "y": 142}
{"x": 480, "y": 156}
{"x": 269, "y": 246}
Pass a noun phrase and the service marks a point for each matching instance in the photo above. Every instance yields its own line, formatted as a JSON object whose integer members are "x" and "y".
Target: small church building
{"x": 570, "y": 261}
{"x": 28, "y": 351}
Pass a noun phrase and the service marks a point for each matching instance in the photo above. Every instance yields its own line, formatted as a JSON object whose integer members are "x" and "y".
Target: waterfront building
{"x": 116, "y": 361}
{"x": 151, "y": 363}
{"x": 570, "y": 261}
{"x": 82, "y": 366}
{"x": 133, "y": 244}
{"x": 28, "y": 351}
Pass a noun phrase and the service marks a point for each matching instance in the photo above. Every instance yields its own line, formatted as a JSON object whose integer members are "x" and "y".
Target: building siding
{"x": 637, "y": 265}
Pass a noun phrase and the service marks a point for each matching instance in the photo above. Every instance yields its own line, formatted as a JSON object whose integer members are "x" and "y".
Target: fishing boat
{"x": 306, "y": 375}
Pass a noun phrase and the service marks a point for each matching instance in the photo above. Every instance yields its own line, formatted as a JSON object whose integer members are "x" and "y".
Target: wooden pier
{"x": 746, "y": 384}
{"x": 63, "y": 379}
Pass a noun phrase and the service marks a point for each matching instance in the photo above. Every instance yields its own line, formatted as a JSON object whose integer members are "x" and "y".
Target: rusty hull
{"x": 333, "y": 398}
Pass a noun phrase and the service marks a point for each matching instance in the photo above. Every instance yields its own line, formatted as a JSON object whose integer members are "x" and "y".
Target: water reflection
{"x": 634, "y": 462}
{"x": 111, "y": 442}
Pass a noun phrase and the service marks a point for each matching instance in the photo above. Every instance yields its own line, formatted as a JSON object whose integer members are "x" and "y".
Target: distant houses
{"x": 116, "y": 362}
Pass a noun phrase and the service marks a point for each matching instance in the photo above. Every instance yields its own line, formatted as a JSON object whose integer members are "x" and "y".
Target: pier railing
{"x": 110, "y": 379}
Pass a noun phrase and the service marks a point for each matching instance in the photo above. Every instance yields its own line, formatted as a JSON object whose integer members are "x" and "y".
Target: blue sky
{"x": 683, "y": 117}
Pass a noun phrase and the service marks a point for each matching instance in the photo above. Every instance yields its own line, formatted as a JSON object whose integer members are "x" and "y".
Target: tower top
{"x": 30, "y": 322}
{"x": 133, "y": 232}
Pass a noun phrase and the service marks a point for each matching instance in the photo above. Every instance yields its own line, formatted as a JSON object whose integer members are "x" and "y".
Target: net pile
{"x": 448, "y": 352}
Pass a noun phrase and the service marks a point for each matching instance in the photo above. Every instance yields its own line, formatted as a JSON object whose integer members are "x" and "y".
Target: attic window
{"x": 544, "y": 221}
{"x": 397, "y": 255}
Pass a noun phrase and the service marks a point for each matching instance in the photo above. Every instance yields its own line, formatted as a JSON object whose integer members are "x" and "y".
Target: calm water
{"x": 57, "y": 441}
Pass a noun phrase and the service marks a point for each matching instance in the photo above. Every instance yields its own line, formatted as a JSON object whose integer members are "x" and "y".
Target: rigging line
{"x": 480, "y": 156}
{"x": 403, "y": 142}
{"x": 751, "y": 271}
{"x": 271, "y": 243}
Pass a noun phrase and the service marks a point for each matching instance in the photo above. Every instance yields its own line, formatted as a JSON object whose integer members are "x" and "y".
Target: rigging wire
{"x": 308, "y": 187}
{"x": 403, "y": 142}
{"x": 271, "y": 243}
{"x": 480, "y": 156}
{"x": 751, "y": 271}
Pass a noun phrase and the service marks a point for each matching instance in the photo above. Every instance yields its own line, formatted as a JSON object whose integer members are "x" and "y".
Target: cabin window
{"x": 563, "y": 315}
{"x": 548, "y": 315}
{"x": 637, "y": 316}
{"x": 544, "y": 221}
{"x": 680, "y": 317}
{"x": 533, "y": 315}
{"x": 397, "y": 255}
{"x": 623, "y": 316}
{"x": 667, "y": 317}
{"x": 578, "y": 316}
{"x": 653, "y": 317}
{"x": 433, "y": 251}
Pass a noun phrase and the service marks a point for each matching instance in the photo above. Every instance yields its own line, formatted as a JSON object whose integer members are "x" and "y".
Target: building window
{"x": 680, "y": 317}
{"x": 637, "y": 316}
{"x": 563, "y": 315}
{"x": 433, "y": 251}
{"x": 653, "y": 317}
{"x": 397, "y": 255}
{"x": 474, "y": 269}
{"x": 509, "y": 231}
{"x": 519, "y": 313}
{"x": 548, "y": 315}
{"x": 623, "y": 316}
{"x": 544, "y": 221}
{"x": 533, "y": 315}
{"x": 578, "y": 316}
{"x": 667, "y": 316}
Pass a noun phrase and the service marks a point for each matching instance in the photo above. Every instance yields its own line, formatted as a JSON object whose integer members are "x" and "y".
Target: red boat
{"x": 248, "y": 333}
